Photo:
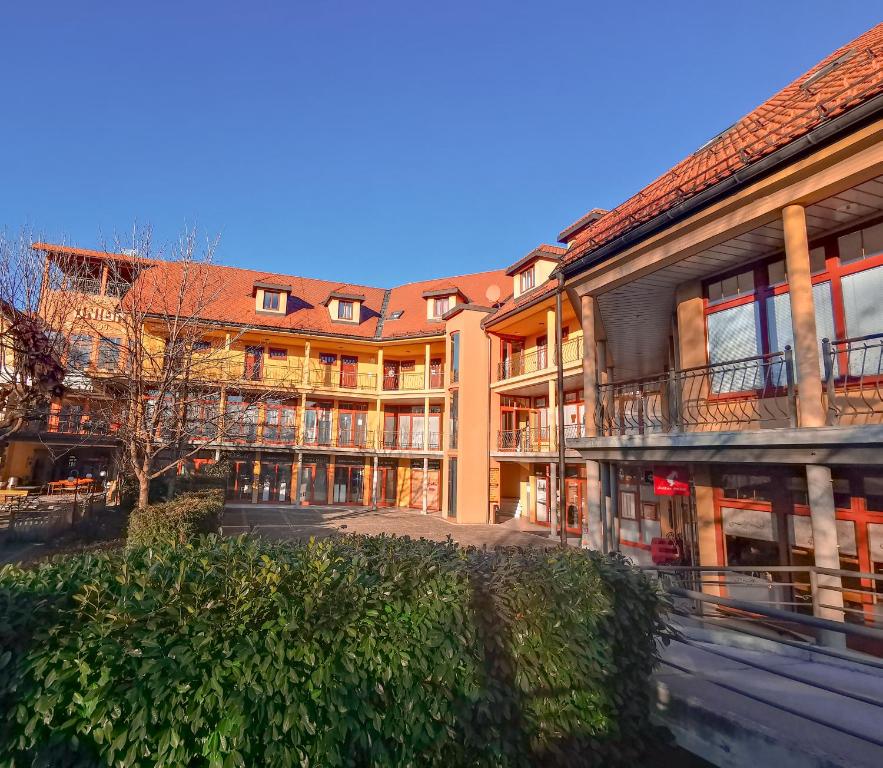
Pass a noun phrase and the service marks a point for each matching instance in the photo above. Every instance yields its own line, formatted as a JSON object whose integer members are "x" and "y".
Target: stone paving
{"x": 286, "y": 522}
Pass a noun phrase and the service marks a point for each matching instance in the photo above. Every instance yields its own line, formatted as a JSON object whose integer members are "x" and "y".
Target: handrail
{"x": 853, "y": 370}
{"x": 776, "y": 613}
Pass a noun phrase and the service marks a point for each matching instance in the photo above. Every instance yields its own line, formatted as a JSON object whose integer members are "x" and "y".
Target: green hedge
{"x": 176, "y": 520}
{"x": 347, "y": 652}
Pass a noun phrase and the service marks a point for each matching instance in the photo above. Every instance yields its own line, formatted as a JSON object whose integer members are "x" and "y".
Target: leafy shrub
{"x": 176, "y": 520}
{"x": 347, "y": 652}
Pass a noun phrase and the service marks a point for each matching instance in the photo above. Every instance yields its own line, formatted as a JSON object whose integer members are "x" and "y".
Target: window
{"x": 455, "y": 357}
{"x": 327, "y": 359}
{"x": 109, "y": 354}
{"x": 201, "y": 346}
{"x": 396, "y": 315}
{"x": 271, "y": 301}
{"x": 528, "y": 279}
{"x": 407, "y": 366}
{"x": 278, "y": 354}
{"x": 80, "y": 351}
{"x": 344, "y": 310}
{"x": 440, "y": 306}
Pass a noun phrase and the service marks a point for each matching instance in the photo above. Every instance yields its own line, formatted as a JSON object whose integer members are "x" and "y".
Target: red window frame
{"x": 833, "y": 273}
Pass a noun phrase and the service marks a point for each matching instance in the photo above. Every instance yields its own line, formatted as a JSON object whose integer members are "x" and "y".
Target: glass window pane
{"x": 862, "y": 294}
{"x": 777, "y": 272}
{"x": 715, "y": 291}
{"x": 817, "y": 260}
{"x": 732, "y": 335}
{"x": 872, "y": 240}
{"x": 850, "y": 247}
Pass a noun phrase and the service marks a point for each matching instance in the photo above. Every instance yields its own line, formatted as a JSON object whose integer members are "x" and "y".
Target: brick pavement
{"x": 286, "y": 522}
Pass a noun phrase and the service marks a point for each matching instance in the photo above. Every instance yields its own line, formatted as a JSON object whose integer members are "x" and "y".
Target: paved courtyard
{"x": 286, "y": 522}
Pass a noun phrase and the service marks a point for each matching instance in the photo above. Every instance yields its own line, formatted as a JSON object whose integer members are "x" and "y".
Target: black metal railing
{"x": 754, "y": 391}
{"x": 76, "y": 424}
{"x": 520, "y": 363}
{"x": 279, "y": 434}
{"x": 357, "y": 437}
{"x": 854, "y": 379}
{"x": 572, "y": 350}
{"x": 525, "y": 440}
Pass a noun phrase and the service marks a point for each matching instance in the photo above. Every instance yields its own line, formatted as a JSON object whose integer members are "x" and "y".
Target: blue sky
{"x": 374, "y": 142}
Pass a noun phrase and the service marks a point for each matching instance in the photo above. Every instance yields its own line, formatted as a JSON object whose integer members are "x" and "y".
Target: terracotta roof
{"x": 513, "y": 305}
{"x": 847, "y": 78}
{"x": 543, "y": 251}
{"x": 409, "y": 298}
{"x": 232, "y": 291}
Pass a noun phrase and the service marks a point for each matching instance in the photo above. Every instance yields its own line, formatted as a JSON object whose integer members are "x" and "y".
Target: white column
{"x": 374, "y": 484}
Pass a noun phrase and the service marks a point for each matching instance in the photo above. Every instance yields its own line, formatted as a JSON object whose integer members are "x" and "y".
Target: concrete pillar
{"x": 380, "y": 371}
{"x": 613, "y": 505}
{"x": 426, "y": 366}
{"x": 691, "y": 325}
{"x": 256, "y": 477}
{"x": 550, "y": 337}
{"x": 810, "y": 409}
{"x": 553, "y": 500}
{"x": 374, "y": 480}
{"x": 425, "y": 483}
{"x": 295, "y": 479}
{"x": 378, "y": 438}
{"x": 603, "y": 522}
{"x": 425, "y": 423}
{"x": 305, "y": 374}
{"x": 590, "y": 395}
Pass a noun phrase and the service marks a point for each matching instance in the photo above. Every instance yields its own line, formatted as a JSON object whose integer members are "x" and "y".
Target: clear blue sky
{"x": 374, "y": 142}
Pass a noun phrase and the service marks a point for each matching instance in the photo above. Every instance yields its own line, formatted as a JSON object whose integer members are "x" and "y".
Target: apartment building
{"x": 721, "y": 361}
{"x": 732, "y": 319}
{"x": 334, "y": 393}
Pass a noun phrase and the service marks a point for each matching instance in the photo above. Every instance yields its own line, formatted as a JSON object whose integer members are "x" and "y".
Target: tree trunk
{"x": 143, "y": 491}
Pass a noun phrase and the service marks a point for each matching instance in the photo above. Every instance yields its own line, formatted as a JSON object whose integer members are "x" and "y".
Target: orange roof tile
{"x": 232, "y": 292}
{"x": 847, "y": 78}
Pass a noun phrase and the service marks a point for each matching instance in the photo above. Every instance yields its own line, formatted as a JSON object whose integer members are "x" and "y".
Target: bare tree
{"x": 166, "y": 381}
{"x": 31, "y": 354}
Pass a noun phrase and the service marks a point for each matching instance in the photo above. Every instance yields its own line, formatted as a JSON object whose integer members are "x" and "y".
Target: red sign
{"x": 670, "y": 481}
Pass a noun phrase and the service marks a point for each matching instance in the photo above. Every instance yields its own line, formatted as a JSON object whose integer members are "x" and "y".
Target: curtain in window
{"x": 733, "y": 334}
{"x": 779, "y": 319}
{"x": 863, "y": 305}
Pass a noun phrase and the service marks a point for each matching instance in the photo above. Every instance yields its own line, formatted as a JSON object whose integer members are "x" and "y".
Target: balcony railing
{"x": 525, "y": 440}
{"x": 399, "y": 441}
{"x": 88, "y": 285}
{"x": 77, "y": 424}
{"x": 521, "y": 363}
{"x": 572, "y": 350}
{"x": 332, "y": 377}
{"x": 854, "y": 379}
{"x": 752, "y": 392}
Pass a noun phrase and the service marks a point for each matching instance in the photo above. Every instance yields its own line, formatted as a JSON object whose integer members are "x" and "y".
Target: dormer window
{"x": 440, "y": 306}
{"x": 344, "y": 310}
{"x": 271, "y": 301}
{"x": 527, "y": 279}
{"x": 271, "y": 298}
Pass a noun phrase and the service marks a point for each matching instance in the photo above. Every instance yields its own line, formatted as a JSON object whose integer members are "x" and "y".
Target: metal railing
{"x": 117, "y": 288}
{"x": 789, "y": 598}
{"x": 76, "y": 424}
{"x": 525, "y": 440}
{"x": 854, "y": 379}
{"x": 756, "y": 391}
{"x": 572, "y": 350}
{"x": 357, "y": 437}
{"x": 396, "y": 441}
{"x": 332, "y": 377}
{"x": 88, "y": 285}
{"x": 537, "y": 359}
{"x": 404, "y": 381}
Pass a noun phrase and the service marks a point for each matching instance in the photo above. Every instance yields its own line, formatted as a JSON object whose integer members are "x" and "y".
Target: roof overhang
{"x": 344, "y": 296}
{"x": 535, "y": 255}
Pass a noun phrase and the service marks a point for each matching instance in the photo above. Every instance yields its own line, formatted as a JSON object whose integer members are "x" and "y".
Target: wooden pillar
{"x": 810, "y": 409}
{"x": 425, "y": 423}
{"x": 379, "y": 371}
{"x": 305, "y": 374}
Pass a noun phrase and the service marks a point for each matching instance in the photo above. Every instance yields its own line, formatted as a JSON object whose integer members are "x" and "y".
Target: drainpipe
{"x": 559, "y": 388}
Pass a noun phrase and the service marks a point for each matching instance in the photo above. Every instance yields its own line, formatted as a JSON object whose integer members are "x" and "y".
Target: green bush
{"x": 347, "y": 652}
{"x": 176, "y": 520}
